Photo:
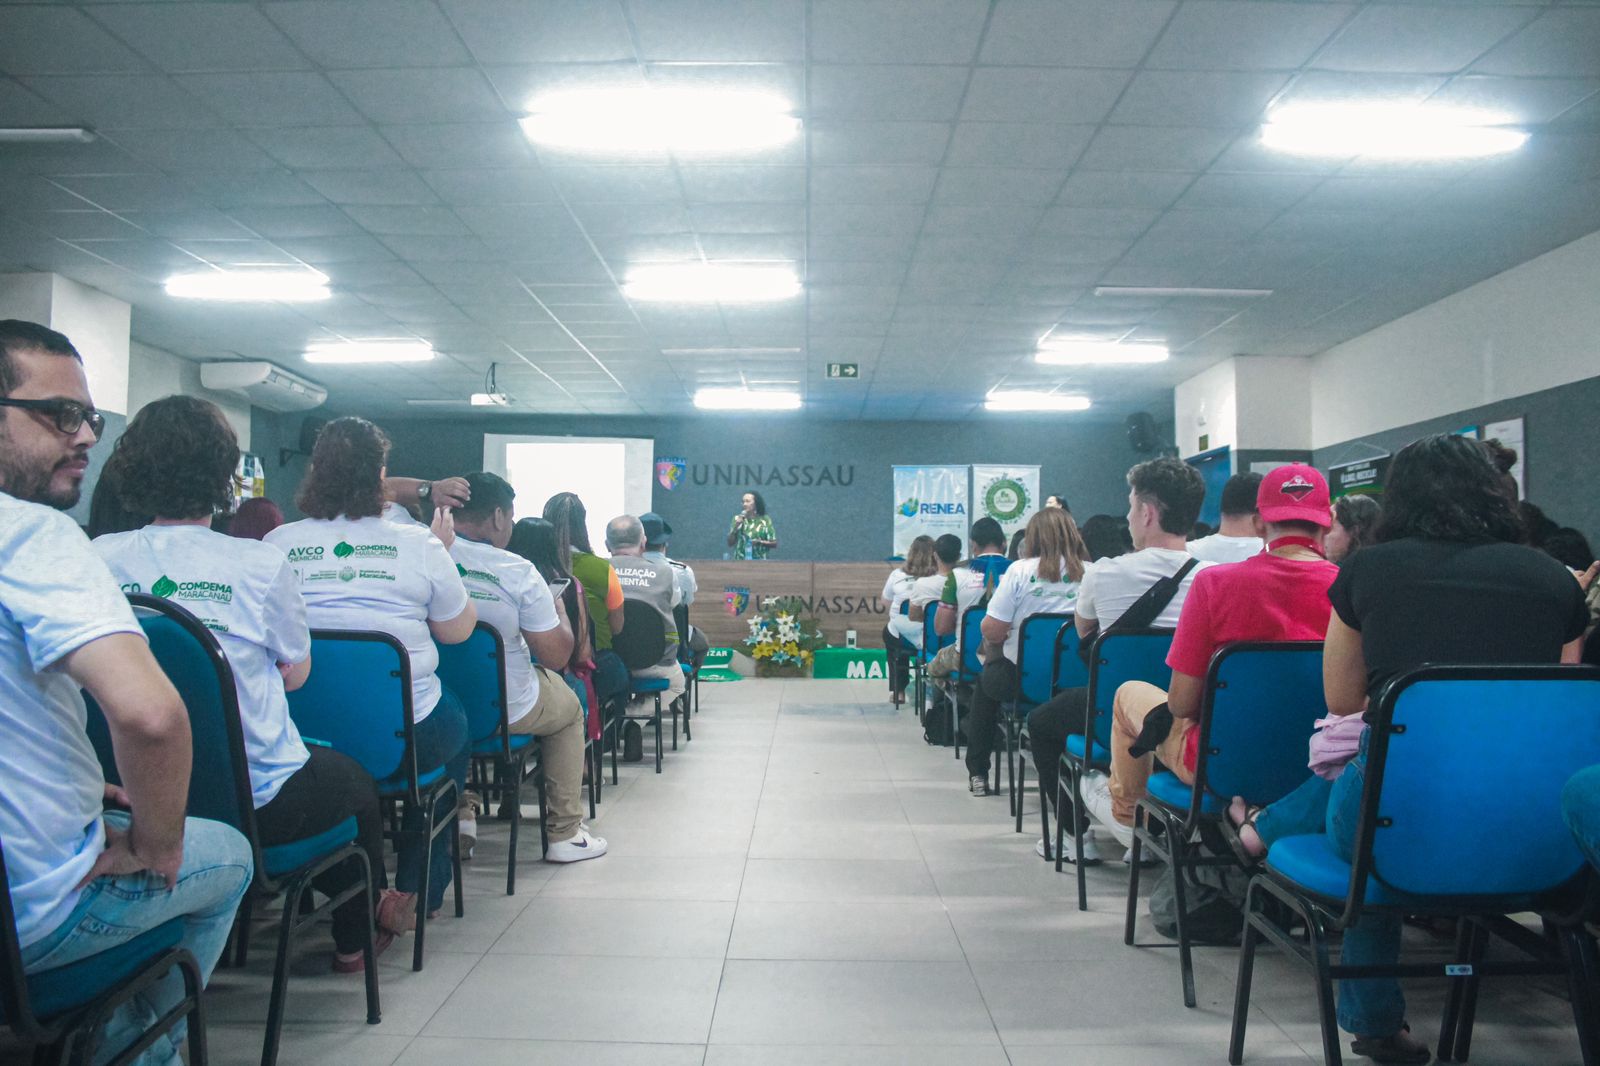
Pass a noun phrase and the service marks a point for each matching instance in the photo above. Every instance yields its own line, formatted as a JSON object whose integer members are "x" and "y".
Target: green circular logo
{"x": 347, "y": 573}
{"x": 1005, "y": 499}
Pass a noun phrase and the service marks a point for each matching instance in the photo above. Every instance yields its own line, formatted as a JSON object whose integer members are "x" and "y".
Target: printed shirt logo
{"x": 345, "y": 550}
{"x": 477, "y": 575}
{"x": 306, "y": 554}
{"x": 164, "y": 587}
{"x": 212, "y": 591}
{"x": 1298, "y": 487}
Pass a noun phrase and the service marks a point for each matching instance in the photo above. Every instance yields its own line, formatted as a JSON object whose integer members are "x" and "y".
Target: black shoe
{"x": 632, "y": 743}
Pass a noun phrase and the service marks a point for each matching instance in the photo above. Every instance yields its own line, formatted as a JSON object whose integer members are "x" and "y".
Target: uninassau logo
{"x": 164, "y": 587}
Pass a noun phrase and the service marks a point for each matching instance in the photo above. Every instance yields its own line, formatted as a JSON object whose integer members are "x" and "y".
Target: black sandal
{"x": 1230, "y": 833}
{"x": 1386, "y": 1050}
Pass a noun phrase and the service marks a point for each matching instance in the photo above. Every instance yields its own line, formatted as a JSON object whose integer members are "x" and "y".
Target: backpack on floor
{"x": 1215, "y": 895}
{"x": 936, "y": 720}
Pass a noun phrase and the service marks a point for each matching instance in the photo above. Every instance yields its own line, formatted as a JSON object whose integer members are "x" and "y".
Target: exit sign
{"x": 844, "y": 370}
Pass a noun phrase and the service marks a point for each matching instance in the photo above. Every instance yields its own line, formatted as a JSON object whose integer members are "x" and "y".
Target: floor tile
{"x": 905, "y": 931}
{"x": 621, "y": 876}
{"x": 369, "y": 1045}
{"x": 431, "y": 1051}
{"x": 800, "y": 880}
{"x": 859, "y": 1055}
{"x": 651, "y": 928}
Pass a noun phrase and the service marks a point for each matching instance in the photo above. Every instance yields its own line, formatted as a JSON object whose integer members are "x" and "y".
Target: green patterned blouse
{"x": 756, "y": 527}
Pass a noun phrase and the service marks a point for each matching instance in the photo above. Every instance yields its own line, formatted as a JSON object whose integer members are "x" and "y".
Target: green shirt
{"x": 756, "y": 527}
{"x": 602, "y": 592}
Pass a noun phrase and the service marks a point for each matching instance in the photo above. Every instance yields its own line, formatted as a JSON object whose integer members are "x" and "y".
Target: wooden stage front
{"x": 842, "y": 596}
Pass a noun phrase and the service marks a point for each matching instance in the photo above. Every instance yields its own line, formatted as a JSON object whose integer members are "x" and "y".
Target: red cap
{"x": 1295, "y": 493}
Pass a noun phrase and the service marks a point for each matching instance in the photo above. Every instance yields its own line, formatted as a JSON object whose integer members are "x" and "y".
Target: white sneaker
{"x": 467, "y": 829}
{"x": 1069, "y": 851}
{"x": 1096, "y": 792}
{"x": 979, "y": 785}
{"x": 577, "y": 848}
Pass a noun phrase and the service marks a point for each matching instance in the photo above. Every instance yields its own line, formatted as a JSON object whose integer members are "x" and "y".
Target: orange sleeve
{"x": 613, "y": 590}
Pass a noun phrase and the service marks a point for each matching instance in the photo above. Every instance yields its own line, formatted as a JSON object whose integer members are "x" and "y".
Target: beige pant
{"x": 1130, "y": 776}
{"x": 557, "y": 717}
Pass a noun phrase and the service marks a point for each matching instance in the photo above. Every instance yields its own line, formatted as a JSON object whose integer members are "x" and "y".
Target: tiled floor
{"x": 807, "y": 884}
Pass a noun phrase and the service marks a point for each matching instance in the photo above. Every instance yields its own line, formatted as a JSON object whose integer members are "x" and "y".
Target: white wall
{"x": 153, "y": 373}
{"x": 1210, "y": 394}
{"x": 1533, "y": 327}
{"x": 96, "y": 324}
{"x": 1272, "y": 402}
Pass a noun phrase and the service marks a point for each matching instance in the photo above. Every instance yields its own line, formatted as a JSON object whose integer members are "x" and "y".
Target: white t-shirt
{"x": 1111, "y": 585}
{"x": 1022, "y": 594}
{"x": 370, "y": 573}
{"x": 245, "y": 593}
{"x": 511, "y": 596}
{"x": 1220, "y": 549}
{"x": 969, "y": 585}
{"x": 396, "y": 513}
{"x": 922, "y": 592}
{"x": 896, "y": 589}
{"x": 55, "y": 597}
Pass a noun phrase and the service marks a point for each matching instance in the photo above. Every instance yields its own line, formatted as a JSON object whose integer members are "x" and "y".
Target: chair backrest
{"x": 1068, "y": 670}
{"x": 970, "y": 635}
{"x": 1122, "y": 655}
{"x": 1465, "y": 767}
{"x": 15, "y": 1010}
{"x": 643, "y": 640}
{"x": 1262, "y": 701}
{"x": 931, "y": 640}
{"x": 475, "y": 671}
{"x": 1035, "y": 646}
{"x": 357, "y": 699}
{"x": 219, "y": 776}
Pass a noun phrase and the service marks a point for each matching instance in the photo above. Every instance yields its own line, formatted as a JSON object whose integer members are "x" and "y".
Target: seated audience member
{"x": 1239, "y": 536}
{"x": 83, "y": 880}
{"x": 408, "y": 499}
{"x": 361, "y": 571}
{"x": 1014, "y": 549}
{"x": 602, "y": 596}
{"x": 1281, "y": 594}
{"x": 535, "y": 540}
{"x": 1164, "y": 495}
{"x": 1200, "y": 531}
{"x": 1106, "y": 536}
{"x": 972, "y": 582}
{"x": 510, "y": 595}
{"x": 1445, "y": 581}
{"x": 1354, "y": 518}
{"x": 1055, "y": 499}
{"x": 650, "y": 581}
{"x": 255, "y": 519}
{"x": 926, "y": 591}
{"x": 919, "y": 562}
{"x": 107, "y": 514}
{"x": 177, "y": 457}
{"x": 657, "y": 534}
{"x": 1536, "y": 525}
{"x": 1044, "y": 581}
{"x": 1580, "y": 805}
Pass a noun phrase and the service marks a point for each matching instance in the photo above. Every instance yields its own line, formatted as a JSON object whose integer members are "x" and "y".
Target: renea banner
{"x": 929, "y": 500}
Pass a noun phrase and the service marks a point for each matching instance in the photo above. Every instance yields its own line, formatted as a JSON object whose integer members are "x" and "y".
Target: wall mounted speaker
{"x": 1142, "y": 432}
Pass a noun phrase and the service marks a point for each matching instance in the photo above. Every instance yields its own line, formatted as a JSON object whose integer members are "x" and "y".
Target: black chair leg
{"x": 369, "y": 949}
{"x": 1450, "y": 1017}
{"x": 1477, "y": 947}
{"x": 455, "y": 862}
{"x": 280, "y": 972}
{"x": 512, "y": 793}
{"x": 1583, "y": 978}
{"x": 657, "y": 721}
{"x": 672, "y": 705}
{"x": 1177, "y": 849}
{"x": 544, "y": 809}
{"x": 1129, "y": 919}
{"x": 241, "y": 930}
{"x": 1021, "y": 789}
{"x": 1325, "y": 1001}
{"x": 1241, "y": 988}
{"x": 424, "y": 889}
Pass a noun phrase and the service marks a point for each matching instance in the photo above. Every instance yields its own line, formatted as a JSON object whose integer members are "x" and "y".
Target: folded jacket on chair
{"x": 1157, "y": 724}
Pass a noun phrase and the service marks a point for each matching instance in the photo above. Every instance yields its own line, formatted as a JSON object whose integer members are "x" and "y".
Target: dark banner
{"x": 1361, "y": 478}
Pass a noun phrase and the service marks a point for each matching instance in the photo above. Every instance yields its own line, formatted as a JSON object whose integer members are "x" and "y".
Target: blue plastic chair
{"x": 641, "y": 644}
{"x": 475, "y": 670}
{"x": 1440, "y": 835}
{"x": 1261, "y": 705}
{"x": 219, "y": 789}
{"x": 1117, "y": 656}
{"x": 357, "y": 700}
{"x": 921, "y": 661}
{"x": 1067, "y": 670}
{"x": 969, "y": 638}
{"x": 59, "y": 1014}
{"x": 1036, "y": 649}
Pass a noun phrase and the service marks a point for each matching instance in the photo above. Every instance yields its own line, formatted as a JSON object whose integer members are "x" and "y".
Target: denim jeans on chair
{"x": 441, "y": 740}
{"x": 1371, "y": 1006}
{"x": 216, "y": 871}
{"x": 1305, "y": 810}
{"x": 1580, "y": 804}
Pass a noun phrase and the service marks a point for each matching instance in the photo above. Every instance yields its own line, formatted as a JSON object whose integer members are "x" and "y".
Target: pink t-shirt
{"x": 1266, "y": 597}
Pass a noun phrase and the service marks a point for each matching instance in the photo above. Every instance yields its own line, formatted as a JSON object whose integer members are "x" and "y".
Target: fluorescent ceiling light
{"x": 1379, "y": 130}
{"x": 45, "y": 135}
{"x": 706, "y": 283}
{"x": 1028, "y": 400}
{"x": 251, "y": 286}
{"x": 1069, "y": 352}
{"x": 746, "y": 400}
{"x": 686, "y": 121}
{"x": 370, "y": 351}
{"x": 1186, "y": 290}
{"x": 490, "y": 399}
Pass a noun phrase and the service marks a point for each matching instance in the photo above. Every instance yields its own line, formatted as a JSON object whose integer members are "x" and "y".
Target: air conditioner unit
{"x": 264, "y": 385}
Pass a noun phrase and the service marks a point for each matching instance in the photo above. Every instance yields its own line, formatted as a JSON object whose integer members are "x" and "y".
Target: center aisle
{"x": 806, "y": 883}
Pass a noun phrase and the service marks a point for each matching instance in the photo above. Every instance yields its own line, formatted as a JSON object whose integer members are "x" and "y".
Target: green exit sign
{"x": 844, "y": 370}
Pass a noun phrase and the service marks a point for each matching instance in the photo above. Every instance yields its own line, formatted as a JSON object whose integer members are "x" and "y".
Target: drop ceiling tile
{"x": 916, "y": 143}
{"x": 616, "y": 184}
{"x": 413, "y": 219}
{"x": 997, "y": 185}
{"x": 88, "y": 225}
{"x": 130, "y": 192}
{"x": 1196, "y": 98}
{"x": 547, "y": 229}
{"x": 189, "y": 37}
{"x": 513, "y": 31}
{"x": 1096, "y": 221}
{"x": 272, "y": 99}
{"x": 739, "y": 247}
{"x": 887, "y": 31}
{"x": 730, "y": 30}
{"x": 1419, "y": 38}
{"x": 491, "y": 144}
{"x": 370, "y": 186}
{"x": 1217, "y": 223}
{"x": 1087, "y": 188}
{"x": 878, "y": 248}
{"x": 1017, "y": 144}
{"x": 493, "y": 185}
{"x": 1272, "y": 191}
{"x": 736, "y": 184}
{"x": 197, "y": 149}
{"x": 112, "y": 101}
{"x": 872, "y": 184}
{"x": 610, "y": 220}
{"x": 1036, "y": 94}
{"x": 1333, "y": 86}
{"x": 149, "y": 258}
{"x": 1239, "y": 35}
{"x": 265, "y": 188}
{"x": 747, "y": 218}
{"x": 100, "y": 156}
{"x": 878, "y": 92}
{"x": 231, "y": 253}
{"x": 1153, "y": 148}
{"x": 1377, "y": 194}
{"x": 448, "y": 94}
{"x": 1073, "y": 33}
{"x": 620, "y": 251}
{"x": 370, "y": 33}
{"x": 20, "y": 107}
{"x": 1524, "y": 99}
{"x": 1562, "y": 42}
{"x": 333, "y": 251}
{"x": 846, "y": 219}
{"x": 41, "y": 39}
{"x": 195, "y": 224}
{"x": 319, "y": 147}
{"x": 1007, "y": 221}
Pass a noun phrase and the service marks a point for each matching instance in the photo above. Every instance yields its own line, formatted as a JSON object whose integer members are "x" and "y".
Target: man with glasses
{"x": 83, "y": 879}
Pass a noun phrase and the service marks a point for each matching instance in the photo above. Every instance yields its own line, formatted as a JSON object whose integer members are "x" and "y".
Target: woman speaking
{"x": 752, "y": 536}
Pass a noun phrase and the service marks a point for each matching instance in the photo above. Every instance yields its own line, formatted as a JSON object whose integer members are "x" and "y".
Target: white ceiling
{"x": 970, "y": 171}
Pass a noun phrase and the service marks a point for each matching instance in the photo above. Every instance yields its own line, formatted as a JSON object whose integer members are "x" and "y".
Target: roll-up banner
{"x": 1007, "y": 494}
{"x": 930, "y": 500}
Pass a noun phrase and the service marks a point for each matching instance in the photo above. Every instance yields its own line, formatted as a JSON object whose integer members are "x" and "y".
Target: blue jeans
{"x": 1305, "y": 810}
{"x": 610, "y": 684}
{"x": 215, "y": 873}
{"x": 1371, "y": 1006}
{"x": 1580, "y": 804}
{"x": 440, "y": 740}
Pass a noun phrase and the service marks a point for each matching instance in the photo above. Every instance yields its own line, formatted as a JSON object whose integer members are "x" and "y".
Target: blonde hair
{"x": 1052, "y": 538}
{"x": 920, "y": 559}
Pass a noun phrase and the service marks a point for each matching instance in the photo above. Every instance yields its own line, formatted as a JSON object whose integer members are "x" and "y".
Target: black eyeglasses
{"x": 70, "y": 415}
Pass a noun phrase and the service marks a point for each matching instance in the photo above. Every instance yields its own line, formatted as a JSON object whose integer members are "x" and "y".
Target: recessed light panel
{"x": 1398, "y": 131}
{"x": 1029, "y": 400}
{"x": 710, "y": 283}
{"x": 643, "y": 120}
{"x": 746, "y": 400}
{"x": 370, "y": 351}
{"x": 251, "y": 286}
{"x": 1068, "y": 352}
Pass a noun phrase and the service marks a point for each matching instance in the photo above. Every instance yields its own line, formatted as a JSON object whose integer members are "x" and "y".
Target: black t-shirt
{"x": 1431, "y": 601}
